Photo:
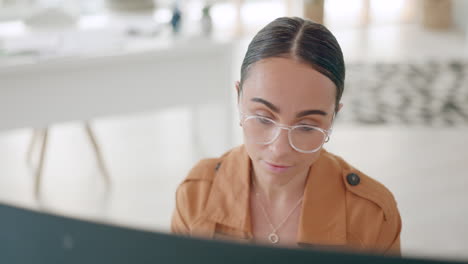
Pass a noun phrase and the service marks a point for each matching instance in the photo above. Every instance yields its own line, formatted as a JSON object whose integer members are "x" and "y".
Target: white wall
{"x": 460, "y": 14}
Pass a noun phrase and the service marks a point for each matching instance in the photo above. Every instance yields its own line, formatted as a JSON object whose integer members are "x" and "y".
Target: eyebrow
{"x": 277, "y": 110}
{"x": 311, "y": 112}
{"x": 268, "y": 104}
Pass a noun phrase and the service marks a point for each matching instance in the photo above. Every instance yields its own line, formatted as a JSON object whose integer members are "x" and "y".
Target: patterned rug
{"x": 433, "y": 93}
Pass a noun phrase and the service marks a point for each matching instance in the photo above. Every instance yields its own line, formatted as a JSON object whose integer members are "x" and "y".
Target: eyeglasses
{"x": 303, "y": 138}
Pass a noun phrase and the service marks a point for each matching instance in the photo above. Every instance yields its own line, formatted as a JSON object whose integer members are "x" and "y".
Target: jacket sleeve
{"x": 389, "y": 237}
{"x": 191, "y": 197}
{"x": 178, "y": 223}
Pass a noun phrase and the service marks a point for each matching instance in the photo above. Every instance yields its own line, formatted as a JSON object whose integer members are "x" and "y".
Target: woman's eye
{"x": 308, "y": 123}
{"x": 307, "y": 129}
{"x": 264, "y": 120}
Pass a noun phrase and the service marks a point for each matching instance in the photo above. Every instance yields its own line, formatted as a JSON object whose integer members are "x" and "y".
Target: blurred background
{"x": 105, "y": 105}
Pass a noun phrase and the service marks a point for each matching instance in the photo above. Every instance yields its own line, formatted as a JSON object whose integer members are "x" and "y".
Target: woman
{"x": 281, "y": 187}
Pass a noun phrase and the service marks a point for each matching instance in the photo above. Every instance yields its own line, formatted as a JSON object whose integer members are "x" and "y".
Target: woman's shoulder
{"x": 193, "y": 192}
{"x": 362, "y": 188}
{"x": 373, "y": 218}
{"x": 205, "y": 169}
{"x": 197, "y": 184}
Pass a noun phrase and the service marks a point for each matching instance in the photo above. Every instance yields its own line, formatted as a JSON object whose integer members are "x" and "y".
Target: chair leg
{"x": 97, "y": 151}
{"x": 40, "y": 169}
{"x": 35, "y": 136}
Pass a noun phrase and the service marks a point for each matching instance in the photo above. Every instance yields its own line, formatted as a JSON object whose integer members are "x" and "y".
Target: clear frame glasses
{"x": 303, "y": 138}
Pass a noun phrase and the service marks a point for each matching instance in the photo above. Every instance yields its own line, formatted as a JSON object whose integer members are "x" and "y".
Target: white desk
{"x": 83, "y": 88}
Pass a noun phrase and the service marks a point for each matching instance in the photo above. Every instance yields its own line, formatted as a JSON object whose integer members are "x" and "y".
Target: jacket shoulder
{"x": 366, "y": 188}
{"x": 192, "y": 195}
{"x": 197, "y": 185}
{"x": 373, "y": 219}
{"x": 204, "y": 170}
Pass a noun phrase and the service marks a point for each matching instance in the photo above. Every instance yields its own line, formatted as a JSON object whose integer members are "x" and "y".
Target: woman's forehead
{"x": 290, "y": 84}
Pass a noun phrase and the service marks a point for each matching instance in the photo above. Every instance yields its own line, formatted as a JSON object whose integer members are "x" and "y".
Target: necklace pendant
{"x": 274, "y": 238}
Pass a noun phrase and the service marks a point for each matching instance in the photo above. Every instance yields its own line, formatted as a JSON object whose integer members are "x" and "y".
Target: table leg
{"x": 98, "y": 153}
{"x": 40, "y": 169}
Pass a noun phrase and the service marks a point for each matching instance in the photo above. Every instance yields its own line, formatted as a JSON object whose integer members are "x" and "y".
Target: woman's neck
{"x": 280, "y": 193}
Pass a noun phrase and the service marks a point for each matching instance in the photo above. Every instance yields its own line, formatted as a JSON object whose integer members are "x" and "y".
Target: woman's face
{"x": 281, "y": 89}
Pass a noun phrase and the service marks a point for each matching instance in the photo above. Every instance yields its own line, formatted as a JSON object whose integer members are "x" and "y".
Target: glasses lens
{"x": 259, "y": 130}
{"x": 307, "y": 138}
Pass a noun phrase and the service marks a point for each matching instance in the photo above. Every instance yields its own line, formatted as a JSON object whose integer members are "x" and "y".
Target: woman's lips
{"x": 276, "y": 168}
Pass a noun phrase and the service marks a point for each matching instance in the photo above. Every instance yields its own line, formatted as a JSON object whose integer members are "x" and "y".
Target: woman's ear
{"x": 238, "y": 90}
{"x": 339, "y": 107}
{"x": 238, "y": 97}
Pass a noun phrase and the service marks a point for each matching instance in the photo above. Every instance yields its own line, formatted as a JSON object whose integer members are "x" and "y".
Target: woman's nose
{"x": 281, "y": 144}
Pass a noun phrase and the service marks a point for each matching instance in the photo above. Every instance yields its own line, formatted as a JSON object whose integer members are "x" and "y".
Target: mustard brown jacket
{"x": 342, "y": 207}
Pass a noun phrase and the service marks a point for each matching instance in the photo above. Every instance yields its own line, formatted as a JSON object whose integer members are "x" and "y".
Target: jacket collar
{"x": 323, "y": 215}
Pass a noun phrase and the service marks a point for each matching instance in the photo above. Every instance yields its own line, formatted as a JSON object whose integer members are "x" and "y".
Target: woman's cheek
{"x": 305, "y": 160}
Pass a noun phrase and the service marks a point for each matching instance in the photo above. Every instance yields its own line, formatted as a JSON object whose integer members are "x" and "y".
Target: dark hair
{"x": 299, "y": 39}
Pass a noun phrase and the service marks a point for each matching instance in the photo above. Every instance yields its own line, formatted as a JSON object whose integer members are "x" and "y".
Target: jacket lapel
{"x": 228, "y": 203}
{"x": 323, "y": 216}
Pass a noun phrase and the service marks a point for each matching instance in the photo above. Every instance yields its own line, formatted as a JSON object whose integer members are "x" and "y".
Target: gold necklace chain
{"x": 273, "y": 236}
